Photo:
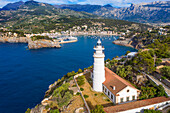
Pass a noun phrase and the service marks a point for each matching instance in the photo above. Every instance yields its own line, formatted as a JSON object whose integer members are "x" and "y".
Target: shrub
{"x": 108, "y": 100}
{"x": 81, "y": 89}
{"x": 86, "y": 96}
{"x": 81, "y": 80}
{"x": 98, "y": 109}
{"x": 47, "y": 106}
{"x": 54, "y": 111}
{"x": 74, "y": 86}
{"x": 95, "y": 94}
{"x": 28, "y": 110}
{"x": 63, "y": 95}
{"x": 78, "y": 93}
{"x": 165, "y": 71}
{"x": 80, "y": 71}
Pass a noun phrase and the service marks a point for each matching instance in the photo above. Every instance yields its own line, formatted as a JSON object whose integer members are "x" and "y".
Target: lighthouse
{"x": 98, "y": 67}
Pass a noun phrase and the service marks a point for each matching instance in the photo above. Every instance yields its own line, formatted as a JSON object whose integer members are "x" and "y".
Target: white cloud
{"x": 3, "y": 2}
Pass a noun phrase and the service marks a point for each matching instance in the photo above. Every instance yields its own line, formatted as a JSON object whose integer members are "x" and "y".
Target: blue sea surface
{"x": 26, "y": 74}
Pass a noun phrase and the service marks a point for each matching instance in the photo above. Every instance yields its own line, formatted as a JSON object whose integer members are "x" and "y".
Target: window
{"x": 127, "y": 90}
{"x": 111, "y": 96}
{"x": 103, "y": 88}
{"x": 133, "y": 97}
{"x": 121, "y": 99}
{"x": 108, "y": 93}
{"x": 127, "y": 98}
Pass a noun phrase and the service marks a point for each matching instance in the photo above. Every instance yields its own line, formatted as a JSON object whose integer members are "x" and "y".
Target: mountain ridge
{"x": 154, "y": 12}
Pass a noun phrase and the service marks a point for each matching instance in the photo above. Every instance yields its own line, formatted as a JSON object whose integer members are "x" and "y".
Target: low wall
{"x": 166, "y": 82}
{"x": 141, "y": 109}
{"x": 88, "y": 109}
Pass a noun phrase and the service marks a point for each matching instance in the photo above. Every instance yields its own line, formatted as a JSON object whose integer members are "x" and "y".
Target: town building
{"x": 106, "y": 81}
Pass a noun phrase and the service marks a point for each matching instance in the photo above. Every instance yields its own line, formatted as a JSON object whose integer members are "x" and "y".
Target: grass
{"x": 94, "y": 98}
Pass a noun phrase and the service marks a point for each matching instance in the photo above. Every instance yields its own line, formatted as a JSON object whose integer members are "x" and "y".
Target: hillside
{"x": 33, "y": 16}
{"x": 155, "y": 12}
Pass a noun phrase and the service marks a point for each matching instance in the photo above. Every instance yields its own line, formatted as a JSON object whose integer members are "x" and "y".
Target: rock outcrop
{"x": 14, "y": 39}
{"x": 43, "y": 44}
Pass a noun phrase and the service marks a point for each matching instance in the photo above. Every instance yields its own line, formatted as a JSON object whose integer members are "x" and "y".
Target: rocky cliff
{"x": 32, "y": 44}
{"x": 14, "y": 39}
{"x": 43, "y": 44}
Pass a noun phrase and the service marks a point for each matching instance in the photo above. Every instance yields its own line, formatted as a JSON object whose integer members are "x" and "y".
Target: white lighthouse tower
{"x": 99, "y": 68}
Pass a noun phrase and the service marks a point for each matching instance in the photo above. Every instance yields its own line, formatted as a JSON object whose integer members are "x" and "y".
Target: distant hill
{"x": 33, "y": 16}
{"x": 155, "y": 12}
{"x": 12, "y": 6}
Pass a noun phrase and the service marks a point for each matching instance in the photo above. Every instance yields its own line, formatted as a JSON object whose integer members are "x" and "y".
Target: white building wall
{"x": 138, "y": 110}
{"x": 98, "y": 67}
{"x": 106, "y": 93}
{"x": 124, "y": 94}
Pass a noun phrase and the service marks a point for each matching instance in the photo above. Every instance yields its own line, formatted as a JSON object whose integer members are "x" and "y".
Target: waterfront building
{"x": 104, "y": 80}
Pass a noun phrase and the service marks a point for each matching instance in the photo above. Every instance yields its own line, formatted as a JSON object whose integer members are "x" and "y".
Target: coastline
{"x": 126, "y": 42}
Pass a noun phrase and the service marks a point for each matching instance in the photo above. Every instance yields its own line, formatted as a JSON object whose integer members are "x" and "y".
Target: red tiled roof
{"x": 135, "y": 104}
{"x": 113, "y": 79}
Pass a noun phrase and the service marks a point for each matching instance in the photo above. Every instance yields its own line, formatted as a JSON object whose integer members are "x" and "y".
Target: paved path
{"x": 167, "y": 90}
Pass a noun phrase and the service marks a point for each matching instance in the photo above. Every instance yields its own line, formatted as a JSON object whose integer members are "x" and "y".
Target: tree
{"x": 123, "y": 71}
{"x": 28, "y": 110}
{"x": 127, "y": 52}
{"x": 98, "y": 109}
{"x": 54, "y": 111}
{"x": 147, "y": 92}
{"x": 63, "y": 95}
{"x": 165, "y": 71}
{"x": 144, "y": 62}
{"x": 80, "y": 71}
{"x": 81, "y": 80}
{"x": 158, "y": 61}
{"x": 161, "y": 91}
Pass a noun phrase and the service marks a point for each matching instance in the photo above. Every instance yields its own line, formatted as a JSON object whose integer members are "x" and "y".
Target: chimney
{"x": 114, "y": 87}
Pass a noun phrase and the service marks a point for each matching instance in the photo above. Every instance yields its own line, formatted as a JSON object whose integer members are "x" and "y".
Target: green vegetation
{"x": 19, "y": 33}
{"x": 78, "y": 93}
{"x": 143, "y": 62}
{"x": 81, "y": 80}
{"x": 40, "y": 37}
{"x": 80, "y": 71}
{"x": 161, "y": 47}
{"x": 123, "y": 71}
{"x": 70, "y": 74}
{"x": 33, "y": 17}
{"x": 28, "y": 110}
{"x": 165, "y": 71}
{"x": 127, "y": 52}
{"x": 54, "y": 111}
{"x": 98, "y": 109}
{"x": 151, "y": 111}
{"x": 152, "y": 90}
{"x": 95, "y": 94}
{"x": 81, "y": 89}
{"x": 86, "y": 96}
{"x": 62, "y": 95}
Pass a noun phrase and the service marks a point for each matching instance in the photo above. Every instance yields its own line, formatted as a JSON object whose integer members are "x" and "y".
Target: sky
{"x": 115, "y": 3}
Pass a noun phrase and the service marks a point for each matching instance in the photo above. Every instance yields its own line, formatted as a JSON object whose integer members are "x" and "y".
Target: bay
{"x": 26, "y": 74}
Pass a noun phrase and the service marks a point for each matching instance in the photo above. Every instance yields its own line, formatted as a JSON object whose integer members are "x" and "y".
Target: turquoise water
{"x": 26, "y": 74}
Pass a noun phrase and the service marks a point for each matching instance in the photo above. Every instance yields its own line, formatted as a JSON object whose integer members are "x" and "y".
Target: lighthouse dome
{"x": 98, "y": 42}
